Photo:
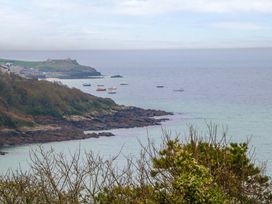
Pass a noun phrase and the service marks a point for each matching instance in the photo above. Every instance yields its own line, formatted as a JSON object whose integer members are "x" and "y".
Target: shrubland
{"x": 21, "y": 100}
{"x": 192, "y": 169}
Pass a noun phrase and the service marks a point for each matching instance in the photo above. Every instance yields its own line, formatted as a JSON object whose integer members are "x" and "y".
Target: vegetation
{"x": 50, "y": 65}
{"x": 196, "y": 171}
{"x": 57, "y": 68}
{"x": 22, "y": 99}
{"x": 20, "y": 63}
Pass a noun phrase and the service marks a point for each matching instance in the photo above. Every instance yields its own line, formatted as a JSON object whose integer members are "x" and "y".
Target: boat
{"x": 112, "y": 88}
{"x": 86, "y": 84}
{"x": 100, "y": 85}
{"x": 178, "y": 90}
{"x": 101, "y": 89}
{"x": 160, "y": 86}
{"x": 112, "y": 92}
{"x": 123, "y": 84}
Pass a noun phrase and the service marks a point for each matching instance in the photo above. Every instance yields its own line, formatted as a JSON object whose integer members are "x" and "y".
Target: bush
{"x": 197, "y": 171}
{"x": 19, "y": 96}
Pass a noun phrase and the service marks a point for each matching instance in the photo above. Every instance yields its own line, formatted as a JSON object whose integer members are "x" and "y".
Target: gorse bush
{"x": 195, "y": 171}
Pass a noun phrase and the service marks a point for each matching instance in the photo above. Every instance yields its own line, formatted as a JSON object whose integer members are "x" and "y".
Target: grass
{"x": 20, "y": 63}
{"x": 49, "y": 65}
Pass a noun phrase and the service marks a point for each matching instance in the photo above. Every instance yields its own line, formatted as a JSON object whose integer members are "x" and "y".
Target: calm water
{"x": 230, "y": 88}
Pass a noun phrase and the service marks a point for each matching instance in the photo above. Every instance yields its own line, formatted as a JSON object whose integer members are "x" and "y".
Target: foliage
{"x": 50, "y": 65}
{"x": 198, "y": 171}
{"x": 22, "y": 97}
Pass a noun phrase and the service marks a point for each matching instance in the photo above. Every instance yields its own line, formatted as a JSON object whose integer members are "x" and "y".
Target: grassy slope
{"x": 20, "y": 63}
{"x": 21, "y": 99}
{"x": 50, "y": 65}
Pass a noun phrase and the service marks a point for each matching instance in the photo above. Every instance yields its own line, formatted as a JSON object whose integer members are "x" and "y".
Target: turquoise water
{"x": 231, "y": 88}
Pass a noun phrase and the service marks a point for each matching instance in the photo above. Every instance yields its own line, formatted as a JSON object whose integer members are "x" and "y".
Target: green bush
{"x": 35, "y": 97}
{"x": 197, "y": 171}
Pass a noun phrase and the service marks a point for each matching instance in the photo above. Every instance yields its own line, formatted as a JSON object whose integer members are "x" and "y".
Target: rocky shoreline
{"x": 51, "y": 129}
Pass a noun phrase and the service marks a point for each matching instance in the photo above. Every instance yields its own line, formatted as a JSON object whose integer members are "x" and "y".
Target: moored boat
{"x": 112, "y": 92}
{"x": 178, "y": 90}
{"x": 101, "y": 89}
{"x": 112, "y": 88}
{"x": 86, "y": 84}
{"x": 160, "y": 86}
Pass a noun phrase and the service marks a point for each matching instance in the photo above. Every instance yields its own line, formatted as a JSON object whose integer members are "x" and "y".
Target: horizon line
{"x": 135, "y": 49}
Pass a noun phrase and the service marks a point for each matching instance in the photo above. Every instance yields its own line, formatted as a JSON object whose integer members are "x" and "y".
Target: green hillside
{"x": 22, "y": 99}
{"x": 59, "y": 68}
{"x": 57, "y": 64}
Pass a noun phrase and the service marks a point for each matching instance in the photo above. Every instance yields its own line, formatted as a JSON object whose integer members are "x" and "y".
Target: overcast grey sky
{"x": 134, "y": 24}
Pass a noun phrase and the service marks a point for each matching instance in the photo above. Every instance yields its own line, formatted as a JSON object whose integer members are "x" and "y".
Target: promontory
{"x": 37, "y": 111}
{"x": 51, "y": 68}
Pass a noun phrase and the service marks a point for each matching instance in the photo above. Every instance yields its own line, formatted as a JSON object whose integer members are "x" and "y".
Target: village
{"x": 51, "y": 68}
{"x": 21, "y": 71}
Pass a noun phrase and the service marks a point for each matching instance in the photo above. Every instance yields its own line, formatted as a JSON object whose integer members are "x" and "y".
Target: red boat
{"x": 101, "y": 89}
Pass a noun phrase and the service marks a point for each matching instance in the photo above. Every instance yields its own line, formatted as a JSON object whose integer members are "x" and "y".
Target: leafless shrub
{"x": 222, "y": 170}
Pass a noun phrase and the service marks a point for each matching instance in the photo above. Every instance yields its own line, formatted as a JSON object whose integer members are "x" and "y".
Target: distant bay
{"x": 229, "y": 87}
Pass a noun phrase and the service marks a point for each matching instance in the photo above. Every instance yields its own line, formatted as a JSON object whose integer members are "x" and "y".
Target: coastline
{"x": 62, "y": 113}
{"x": 73, "y": 128}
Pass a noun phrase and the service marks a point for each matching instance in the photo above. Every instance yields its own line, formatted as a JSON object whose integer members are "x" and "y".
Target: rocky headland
{"x": 51, "y": 129}
{"x": 50, "y": 68}
{"x": 38, "y": 111}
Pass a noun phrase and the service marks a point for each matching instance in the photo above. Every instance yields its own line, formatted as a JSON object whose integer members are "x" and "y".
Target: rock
{"x": 105, "y": 134}
{"x": 117, "y": 76}
{"x": 51, "y": 129}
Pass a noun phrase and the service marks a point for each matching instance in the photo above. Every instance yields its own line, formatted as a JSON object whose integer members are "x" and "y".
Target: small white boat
{"x": 178, "y": 90}
{"x": 112, "y": 88}
{"x": 86, "y": 84}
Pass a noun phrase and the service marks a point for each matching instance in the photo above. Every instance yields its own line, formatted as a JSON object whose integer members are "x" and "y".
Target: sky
{"x": 134, "y": 24}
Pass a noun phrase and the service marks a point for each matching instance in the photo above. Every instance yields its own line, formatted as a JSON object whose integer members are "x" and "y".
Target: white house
{"x": 8, "y": 64}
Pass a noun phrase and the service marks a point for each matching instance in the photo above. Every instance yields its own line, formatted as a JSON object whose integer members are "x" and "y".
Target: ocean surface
{"x": 228, "y": 87}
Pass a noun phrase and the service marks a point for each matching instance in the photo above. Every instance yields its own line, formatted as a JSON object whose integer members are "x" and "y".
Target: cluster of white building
{"x": 4, "y": 68}
{"x": 21, "y": 71}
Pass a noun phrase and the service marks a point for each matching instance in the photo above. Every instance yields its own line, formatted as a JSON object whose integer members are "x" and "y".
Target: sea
{"x": 229, "y": 88}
